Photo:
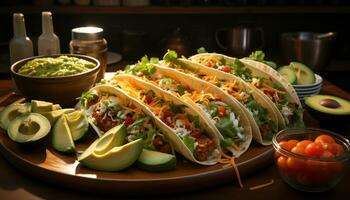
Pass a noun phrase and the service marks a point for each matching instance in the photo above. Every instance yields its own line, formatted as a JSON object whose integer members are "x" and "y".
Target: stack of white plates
{"x": 309, "y": 90}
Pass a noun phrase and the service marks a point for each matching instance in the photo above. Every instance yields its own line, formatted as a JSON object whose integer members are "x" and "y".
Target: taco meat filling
{"x": 184, "y": 125}
{"x": 222, "y": 115}
{"x": 106, "y": 111}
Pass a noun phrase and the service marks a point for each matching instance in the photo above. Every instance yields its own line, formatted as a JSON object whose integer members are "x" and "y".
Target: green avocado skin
{"x": 156, "y": 161}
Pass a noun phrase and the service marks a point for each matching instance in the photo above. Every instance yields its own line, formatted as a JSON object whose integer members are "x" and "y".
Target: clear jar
{"x": 89, "y": 41}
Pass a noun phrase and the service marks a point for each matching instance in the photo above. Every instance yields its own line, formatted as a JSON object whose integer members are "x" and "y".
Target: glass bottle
{"x": 48, "y": 42}
{"x": 20, "y": 45}
{"x": 89, "y": 41}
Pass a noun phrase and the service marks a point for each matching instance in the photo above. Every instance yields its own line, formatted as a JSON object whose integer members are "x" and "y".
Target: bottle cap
{"x": 87, "y": 33}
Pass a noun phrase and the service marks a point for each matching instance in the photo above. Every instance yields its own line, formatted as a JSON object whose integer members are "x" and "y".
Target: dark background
{"x": 151, "y": 27}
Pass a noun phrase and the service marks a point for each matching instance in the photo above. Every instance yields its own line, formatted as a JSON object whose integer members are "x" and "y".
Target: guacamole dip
{"x": 53, "y": 67}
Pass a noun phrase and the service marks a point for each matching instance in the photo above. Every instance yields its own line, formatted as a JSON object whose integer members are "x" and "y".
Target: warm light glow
{"x": 88, "y": 29}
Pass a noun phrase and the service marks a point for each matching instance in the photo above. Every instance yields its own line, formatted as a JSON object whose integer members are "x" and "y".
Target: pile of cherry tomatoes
{"x": 309, "y": 171}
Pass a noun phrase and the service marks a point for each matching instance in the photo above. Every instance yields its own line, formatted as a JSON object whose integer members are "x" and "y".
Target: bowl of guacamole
{"x": 57, "y": 78}
{"x": 56, "y": 66}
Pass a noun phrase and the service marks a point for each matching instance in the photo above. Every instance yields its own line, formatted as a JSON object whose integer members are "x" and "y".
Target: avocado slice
{"x": 78, "y": 124}
{"x": 156, "y": 161}
{"x": 11, "y": 112}
{"x": 44, "y": 106}
{"x": 303, "y": 73}
{"x": 53, "y": 116}
{"x": 288, "y": 73}
{"x": 329, "y": 109}
{"x": 29, "y": 127}
{"x": 61, "y": 136}
{"x": 56, "y": 107}
{"x": 112, "y": 138}
{"x": 328, "y": 104}
{"x": 116, "y": 159}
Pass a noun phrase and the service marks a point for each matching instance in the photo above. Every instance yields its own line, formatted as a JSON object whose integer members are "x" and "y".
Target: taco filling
{"x": 221, "y": 114}
{"x": 107, "y": 111}
{"x": 290, "y": 111}
{"x": 184, "y": 125}
{"x": 266, "y": 126}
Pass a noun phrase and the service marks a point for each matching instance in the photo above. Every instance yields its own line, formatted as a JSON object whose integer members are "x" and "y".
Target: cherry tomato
{"x": 295, "y": 165}
{"x": 323, "y": 139}
{"x": 327, "y": 154}
{"x": 226, "y": 69}
{"x": 196, "y": 134}
{"x": 149, "y": 99}
{"x": 292, "y": 143}
{"x": 303, "y": 143}
{"x": 282, "y": 162}
{"x": 221, "y": 111}
{"x": 284, "y": 145}
{"x": 334, "y": 148}
{"x": 128, "y": 121}
{"x": 314, "y": 150}
{"x": 299, "y": 150}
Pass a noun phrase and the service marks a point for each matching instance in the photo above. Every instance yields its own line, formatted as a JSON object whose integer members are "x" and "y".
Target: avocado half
{"x": 28, "y": 128}
{"x": 108, "y": 153}
{"x": 328, "y": 108}
{"x": 11, "y": 112}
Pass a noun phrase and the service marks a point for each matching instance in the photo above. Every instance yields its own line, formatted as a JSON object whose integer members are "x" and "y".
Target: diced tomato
{"x": 187, "y": 87}
{"x": 128, "y": 121}
{"x": 221, "y": 111}
{"x": 210, "y": 64}
{"x": 167, "y": 114}
{"x": 149, "y": 99}
{"x": 196, "y": 134}
{"x": 226, "y": 69}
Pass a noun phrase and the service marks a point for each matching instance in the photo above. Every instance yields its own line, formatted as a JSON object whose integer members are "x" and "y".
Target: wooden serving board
{"x": 43, "y": 162}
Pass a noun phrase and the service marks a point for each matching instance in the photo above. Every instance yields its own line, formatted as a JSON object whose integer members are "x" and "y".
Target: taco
{"x": 190, "y": 133}
{"x": 261, "y": 115}
{"x": 107, "y": 107}
{"x": 278, "y": 91}
{"x": 224, "y": 113}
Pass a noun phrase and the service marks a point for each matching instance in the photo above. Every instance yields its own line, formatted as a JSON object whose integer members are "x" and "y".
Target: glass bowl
{"x": 310, "y": 174}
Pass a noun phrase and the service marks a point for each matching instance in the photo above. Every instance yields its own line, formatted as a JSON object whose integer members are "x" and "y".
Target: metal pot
{"x": 312, "y": 49}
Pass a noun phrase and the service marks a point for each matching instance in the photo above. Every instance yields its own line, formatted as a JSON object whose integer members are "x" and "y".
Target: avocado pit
{"x": 329, "y": 103}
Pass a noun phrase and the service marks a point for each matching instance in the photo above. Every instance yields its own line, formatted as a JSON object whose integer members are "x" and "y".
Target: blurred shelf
{"x": 155, "y": 10}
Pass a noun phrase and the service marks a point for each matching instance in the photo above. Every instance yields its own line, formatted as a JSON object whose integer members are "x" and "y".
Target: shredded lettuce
{"x": 145, "y": 65}
{"x": 201, "y": 50}
{"x": 240, "y": 70}
{"x": 260, "y": 56}
{"x": 148, "y": 139}
{"x": 226, "y": 127}
{"x": 86, "y": 97}
{"x": 189, "y": 141}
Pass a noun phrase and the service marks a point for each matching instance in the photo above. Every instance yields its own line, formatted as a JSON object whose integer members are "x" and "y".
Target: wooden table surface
{"x": 17, "y": 185}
